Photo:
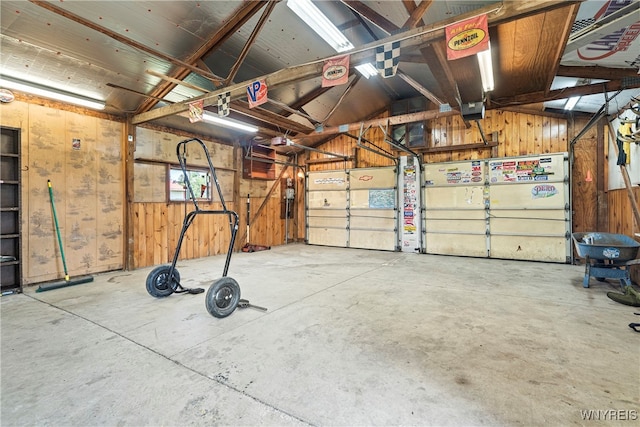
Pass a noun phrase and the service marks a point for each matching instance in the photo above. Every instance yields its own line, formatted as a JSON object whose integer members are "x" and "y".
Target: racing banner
{"x": 468, "y": 37}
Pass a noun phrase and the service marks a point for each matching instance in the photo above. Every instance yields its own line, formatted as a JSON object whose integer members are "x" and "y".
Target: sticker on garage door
{"x": 543, "y": 191}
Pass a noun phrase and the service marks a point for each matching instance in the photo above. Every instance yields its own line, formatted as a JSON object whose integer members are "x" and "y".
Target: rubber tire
{"x": 222, "y": 297}
{"x": 158, "y": 281}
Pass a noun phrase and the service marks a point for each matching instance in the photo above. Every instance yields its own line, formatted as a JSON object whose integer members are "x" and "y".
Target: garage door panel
{"x": 533, "y": 196}
{"x": 373, "y": 198}
{"x": 456, "y": 244}
{"x": 384, "y": 220}
{"x": 327, "y": 180}
{"x": 323, "y": 221}
{"x": 464, "y": 197}
{"x": 327, "y": 200}
{"x": 455, "y": 215}
{"x": 362, "y": 178}
{"x": 525, "y": 226}
{"x": 327, "y": 237}
{"x": 458, "y": 226}
{"x": 550, "y": 249}
{"x": 368, "y": 239}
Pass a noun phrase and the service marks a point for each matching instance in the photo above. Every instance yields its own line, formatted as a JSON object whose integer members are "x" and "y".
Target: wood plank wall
{"x": 157, "y": 226}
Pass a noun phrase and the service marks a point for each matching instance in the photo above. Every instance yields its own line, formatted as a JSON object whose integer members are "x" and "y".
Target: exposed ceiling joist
{"x": 240, "y": 16}
{"x": 415, "y": 15}
{"x": 596, "y": 72}
{"x": 245, "y": 50}
{"x": 532, "y": 98}
{"x": 395, "y": 120}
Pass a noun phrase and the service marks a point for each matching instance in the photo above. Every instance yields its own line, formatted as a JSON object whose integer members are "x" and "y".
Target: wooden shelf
{"x": 259, "y": 163}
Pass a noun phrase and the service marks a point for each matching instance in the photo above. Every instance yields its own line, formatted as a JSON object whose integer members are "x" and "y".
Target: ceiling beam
{"x": 267, "y": 116}
{"x": 238, "y": 18}
{"x": 596, "y": 72}
{"x": 592, "y": 89}
{"x": 371, "y": 15}
{"x": 247, "y": 46}
{"x": 497, "y": 12}
{"x": 416, "y": 13}
{"x": 395, "y": 120}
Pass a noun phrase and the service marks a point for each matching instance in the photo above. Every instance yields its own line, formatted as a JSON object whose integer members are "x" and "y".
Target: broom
{"x": 67, "y": 280}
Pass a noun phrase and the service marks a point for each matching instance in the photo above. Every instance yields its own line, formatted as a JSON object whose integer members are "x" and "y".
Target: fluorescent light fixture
{"x": 367, "y": 70}
{"x": 312, "y": 16}
{"x": 223, "y": 121}
{"x": 52, "y": 93}
{"x": 571, "y": 102}
{"x": 486, "y": 69}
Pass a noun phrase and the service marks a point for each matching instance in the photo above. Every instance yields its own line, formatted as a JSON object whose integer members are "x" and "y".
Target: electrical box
{"x": 473, "y": 111}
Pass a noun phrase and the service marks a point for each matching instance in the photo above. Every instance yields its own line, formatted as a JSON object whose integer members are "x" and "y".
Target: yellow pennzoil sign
{"x": 467, "y": 37}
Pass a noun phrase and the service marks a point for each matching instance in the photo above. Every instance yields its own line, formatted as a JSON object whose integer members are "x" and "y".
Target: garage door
{"x": 327, "y": 208}
{"x": 455, "y": 214}
{"x": 513, "y": 208}
{"x": 356, "y": 208}
{"x": 529, "y": 205}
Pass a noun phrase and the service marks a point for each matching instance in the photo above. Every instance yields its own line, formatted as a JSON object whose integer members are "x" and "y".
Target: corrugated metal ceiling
{"x": 104, "y": 49}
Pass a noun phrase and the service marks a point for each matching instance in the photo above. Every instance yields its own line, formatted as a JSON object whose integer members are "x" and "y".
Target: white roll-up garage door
{"x": 455, "y": 215}
{"x": 513, "y": 208}
{"x": 327, "y": 212}
{"x": 356, "y": 208}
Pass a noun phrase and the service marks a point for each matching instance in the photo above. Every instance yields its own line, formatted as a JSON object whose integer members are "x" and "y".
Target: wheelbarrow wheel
{"x": 158, "y": 283}
{"x": 222, "y": 297}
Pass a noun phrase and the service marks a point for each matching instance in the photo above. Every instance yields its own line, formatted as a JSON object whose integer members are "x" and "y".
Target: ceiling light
{"x": 312, "y": 16}
{"x": 367, "y": 70}
{"x": 571, "y": 102}
{"x": 52, "y": 93}
{"x": 486, "y": 69}
{"x": 212, "y": 118}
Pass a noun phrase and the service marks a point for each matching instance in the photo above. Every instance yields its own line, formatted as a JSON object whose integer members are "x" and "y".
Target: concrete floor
{"x": 352, "y": 337}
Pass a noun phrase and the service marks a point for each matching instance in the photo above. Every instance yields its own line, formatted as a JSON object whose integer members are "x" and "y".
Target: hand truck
{"x": 223, "y": 295}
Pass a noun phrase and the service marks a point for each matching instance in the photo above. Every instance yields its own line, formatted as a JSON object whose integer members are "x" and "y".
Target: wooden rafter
{"x": 596, "y": 72}
{"x": 239, "y": 17}
{"x": 532, "y": 98}
{"x": 416, "y": 13}
{"x": 247, "y": 46}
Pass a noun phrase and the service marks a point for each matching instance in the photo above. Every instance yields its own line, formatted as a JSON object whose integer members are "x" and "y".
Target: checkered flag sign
{"x": 387, "y": 58}
{"x": 224, "y": 102}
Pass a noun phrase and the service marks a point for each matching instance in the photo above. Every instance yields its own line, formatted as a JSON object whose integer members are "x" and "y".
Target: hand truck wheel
{"x": 158, "y": 283}
{"x": 222, "y": 297}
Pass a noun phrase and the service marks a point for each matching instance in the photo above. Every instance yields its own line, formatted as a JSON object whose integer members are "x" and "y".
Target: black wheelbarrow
{"x": 607, "y": 256}
{"x": 223, "y": 295}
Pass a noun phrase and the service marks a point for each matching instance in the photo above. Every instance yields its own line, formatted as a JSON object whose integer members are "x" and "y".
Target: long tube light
{"x": 212, "y": 118}
{"x": 571, "y": 102}
{"x": 314, "y": 18}
{"x": 52, "y": 93}
{"x": 367, "y": 70}
{"x": 486, "y": 69}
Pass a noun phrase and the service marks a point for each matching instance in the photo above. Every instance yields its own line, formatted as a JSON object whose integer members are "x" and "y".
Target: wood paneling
{"x": 621, "y": 220}
{"x": 82, "y": 156}
{"x": 157, "y": 226}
